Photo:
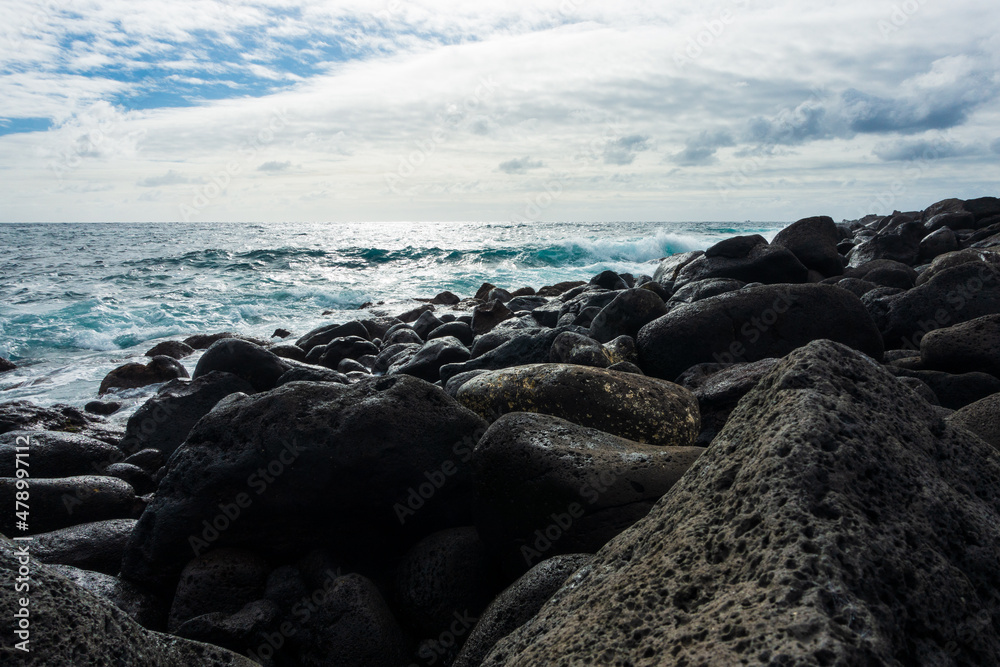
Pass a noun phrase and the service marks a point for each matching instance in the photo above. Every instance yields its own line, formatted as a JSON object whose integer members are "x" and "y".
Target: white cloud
{"x": 402, "y": 109}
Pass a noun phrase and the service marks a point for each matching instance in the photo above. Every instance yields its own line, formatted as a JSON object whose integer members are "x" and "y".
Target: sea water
{"x": 77, "y": 300}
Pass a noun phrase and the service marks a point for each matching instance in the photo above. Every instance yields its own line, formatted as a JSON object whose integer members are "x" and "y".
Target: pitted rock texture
{"x": 643, "y": 409}
{"x": 834, "y": 521}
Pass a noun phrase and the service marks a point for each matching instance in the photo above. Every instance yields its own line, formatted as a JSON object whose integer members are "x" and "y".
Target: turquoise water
{"x": 78, "y": 299}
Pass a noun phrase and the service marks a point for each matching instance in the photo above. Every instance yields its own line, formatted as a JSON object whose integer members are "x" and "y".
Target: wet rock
{"x": 832, "y": 517}
{"x": 813, "y": 241}
{"x": 499, "y": 294}
{"x": 170, "y": 348}
{"x": 937, "y": 243}
{"x": 6, "y": 365}
{"x": 609, "y": 280}
{"x": 103, "y": 408}
{"x": 445, "y": 299}
{"x": 982, "y": 418}
{"x": 950, "y": 297}
{"x": 488, "y": 315}
{"x": 164, "y": 421}
{"x": 136, "y": 477}
{"x": 523, "y": 348}
{"x": 377, "y": 326}
{"x": 425, "y": 324}
{"x": 953, "y": 220}
{"x": 251, "y": 362}
{"x": 746, "y": 258}
{"x": 573, "y": 348}
{"x": 402, "y": 335}
{"x": 517, "y": 605}
{"x": 24, "y": 415}
{"x": 68, "y": 501}
{"x": 969, "y": 346}
{"x": 559, "y": 288}
{"x": 856, "y": 286}
{"x": 426, "y": 363}
{"x": 959, "y": 257}
{"x": 954, "y": 391}
{"x": 310, "y": 464}
{"x": 349, "y": 347}
{"x": 459, "y": 330}
{"x": 351, "y": 366}
{"x": 223, "y": 580}
{"x": 643, "y": 409}
{"x": 132, "y": 375}
{"x": 753, "y": 324}
{"x": 145, "y": 609}
{"x": 96, "y": 546}
{"x": 626, "y": 314}
{"x": 397, "y": 353}
{"x": 668, "y": 271}
{"x": 900, "y": 244}
{"x": 411, "y": 316}
{"x": 528, "y": 303}
{"x": 55, "y": 454}
{"x": 545, "y": 486}
{"x": 719, "y": 394}
{"x": 456, "y": 381}
{"x": 289, "y": 351}
{"x": 311, "y": 374}
{"x": 702, "y": 289}
{"x": 324, "y": 334}
{"x": 234, "y": 631}
{"x": 72, "y": 626}
{"x": 447, "y": 572}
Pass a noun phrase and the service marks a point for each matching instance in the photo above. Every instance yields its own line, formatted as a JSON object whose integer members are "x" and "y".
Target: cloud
{"x": 520, "y": 165}
{"x": 623, "y": 150}
{"x": 172, "y": 177}
{"x": 995, "y": 146}
{"x": 700, "y": 150}
{"x": 274, "y": 166}
{"x": 923, "y": 150}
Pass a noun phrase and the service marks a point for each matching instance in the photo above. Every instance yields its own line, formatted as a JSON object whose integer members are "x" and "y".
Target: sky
{"x": 578, "y": 110}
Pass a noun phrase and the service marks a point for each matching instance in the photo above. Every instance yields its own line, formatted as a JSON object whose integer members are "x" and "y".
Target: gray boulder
{"x": 969, "y": 346}
{"x": 307, "y": 465}
{"x": 643, "y": 409}
{"x": 253, "y": 363}
{"x": 164, "y": 421}
{"x": 813, "y": 241}
{"x": 97, "y": 546}
{"x": 835, "y": 520}
{"x": 132, "y": 375}
{"x": 68, "y": 501}
{"x": 626, "y": 314}
{"x": 982, "y": 418}
{"x": 753, "y": 324}
{"x": 545, "y": 486}
{"x": 55, "y": 454}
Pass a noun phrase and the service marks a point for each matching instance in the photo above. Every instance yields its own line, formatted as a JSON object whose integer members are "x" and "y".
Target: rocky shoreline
{"x": 763, "y": 453}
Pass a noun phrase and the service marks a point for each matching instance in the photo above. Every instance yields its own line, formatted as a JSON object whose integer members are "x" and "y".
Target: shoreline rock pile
{"x": 770, "y": 453}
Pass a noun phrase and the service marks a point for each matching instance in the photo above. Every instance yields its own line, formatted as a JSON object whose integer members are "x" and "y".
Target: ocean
{"x": 77, "y": 300}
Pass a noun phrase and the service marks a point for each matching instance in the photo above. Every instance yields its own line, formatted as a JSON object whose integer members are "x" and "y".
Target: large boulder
{"x": 55, "y": 454}
{"x": 752, "y": 324}
{"x": 900, "y": 243}
{"x": 517, "y": 604}
{"x": 164, "y": 421}
{"x": 253, "y": 363}
{"x": 26, "y": 416}
{"x": 132, "y": 375}
{"x": 545, "y": 486}
{"x": 969, "y": 346}
{"x": 981, "y": 418}
{"x": 220, "y": 581}
{"x": 324, "y": 334}
{"x": 426, "y": 363}
{"x": 626, "y": 314}
{"x": 747, "y": 258}
{"x": 97, "y": 546}
{"x": 813, "y": 241}
{"x": 69, "y": 625}
{"x": 954, "y": 295}
{"x": 835, "y": 520}
{"x": 310, "y": 464}
{"x": 67, "y": 501}
{"x": 636, "y": 407}
{"x": 720, "y": 392}
{"x": 532, "y": 347}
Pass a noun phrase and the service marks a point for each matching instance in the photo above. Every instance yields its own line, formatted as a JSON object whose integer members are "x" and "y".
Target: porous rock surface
{"x": 835, "y": 520}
